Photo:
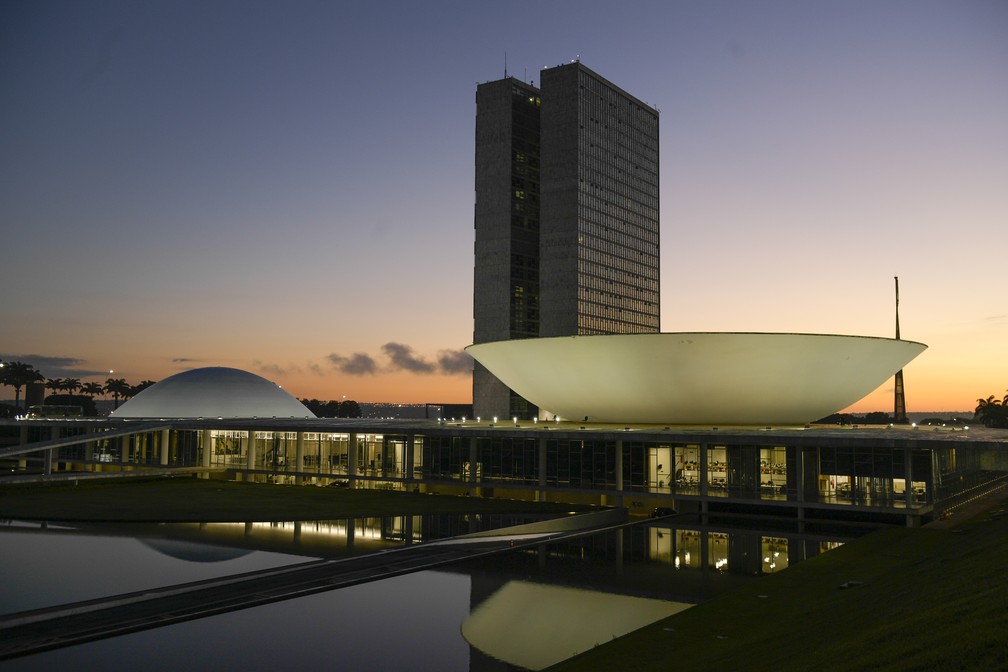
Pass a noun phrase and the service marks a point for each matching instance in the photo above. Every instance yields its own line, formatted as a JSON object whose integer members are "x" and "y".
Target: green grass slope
{"x": 173, "y": 500}
{"x": 928, "y": 599}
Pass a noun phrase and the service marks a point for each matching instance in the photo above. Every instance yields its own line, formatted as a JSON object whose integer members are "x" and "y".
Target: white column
{"x": 352, "y": 460}
{"x": 89, "y": 451}
{"x": 22, "y": 440}
{"x": 165, "y": 446}
{"x": 911, "y": 520}
{"x": 207, "y": 447}
{"x": 299, "y": 459}
{"x": 703, "y": 469}
{"x": 799, "y": 477}
{"x": 250, "y": 455}
{"x": 472, "y": 460}
{"x": 408, "y": 458}
{"x": 908, "y": 477}
{"x": 47, "y": 454}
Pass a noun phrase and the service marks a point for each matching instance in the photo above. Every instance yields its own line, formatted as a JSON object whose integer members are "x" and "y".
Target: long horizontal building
{"x": 198, "y": 421}
{"x": 803, "y": 473}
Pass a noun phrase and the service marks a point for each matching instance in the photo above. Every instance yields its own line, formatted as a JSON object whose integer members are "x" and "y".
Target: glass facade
{"x": 639, "y": 470}
{"x": 731, "y": 551}
{"x": 508, "y": 459}
{"x": 581, "y": 464}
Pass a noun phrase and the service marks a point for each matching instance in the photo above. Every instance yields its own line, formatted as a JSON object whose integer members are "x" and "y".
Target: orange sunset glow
{"x": 294, "y": 195}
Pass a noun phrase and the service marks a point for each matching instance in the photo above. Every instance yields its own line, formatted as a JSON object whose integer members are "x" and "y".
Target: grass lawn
{"x": 174, "y": 500}
{"x": 930, "y": 599}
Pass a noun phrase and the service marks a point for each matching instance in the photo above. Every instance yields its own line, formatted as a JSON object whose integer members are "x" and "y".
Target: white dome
{"x": 696, "y": 378}
{"x": 213, "y": 392}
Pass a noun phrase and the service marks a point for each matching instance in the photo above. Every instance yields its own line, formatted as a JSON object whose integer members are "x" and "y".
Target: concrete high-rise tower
{"x": 599, "y": 216}
{"x": 566, "y": 216}
{"x": 506, "y": 282}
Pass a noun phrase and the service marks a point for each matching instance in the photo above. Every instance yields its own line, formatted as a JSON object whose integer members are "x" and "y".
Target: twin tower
{"x": 566, "y": 216}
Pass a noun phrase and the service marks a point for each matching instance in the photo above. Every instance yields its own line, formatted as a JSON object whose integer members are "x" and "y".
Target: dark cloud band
{"x": 401, "y": 357}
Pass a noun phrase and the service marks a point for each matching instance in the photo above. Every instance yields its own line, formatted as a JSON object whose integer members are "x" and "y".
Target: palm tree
{"x": 17, "y": 375}
{"x": 54, "y": 384}
{"x": 117, "y": 387}
{"x": 989, "y": 411}
{"x": 141, "y": 386}
{"x": 71, "y": 385}
{"x": 92, "y": 389}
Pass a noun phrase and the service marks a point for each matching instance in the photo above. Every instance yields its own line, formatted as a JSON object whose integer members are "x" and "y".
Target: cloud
{"x": 271, "y": 369}
{"x": 183, "y": 360}
{"x": 56, "y": 367}
{"x": 454, "y": 362}
{"x": 402, "y": 357}
{"x": 42, "y": 360}
{"x": 357, "y": 364}
{"x": 276, "y": 369}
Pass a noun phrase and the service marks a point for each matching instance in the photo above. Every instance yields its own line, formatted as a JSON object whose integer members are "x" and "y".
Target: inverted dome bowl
{"x": 696, "y": 378}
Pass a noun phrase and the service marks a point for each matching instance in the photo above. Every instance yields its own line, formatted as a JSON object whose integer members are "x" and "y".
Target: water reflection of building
{"x": 659, "y": 551}
{"x": 599, "y": 580}
{"x": 532, "y": 625}
{"x": 814, "y": 472}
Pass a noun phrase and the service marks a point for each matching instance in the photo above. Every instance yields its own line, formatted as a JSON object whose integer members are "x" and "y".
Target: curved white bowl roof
{"x": 213, "y": 392}
{"x": 696, "y": 378}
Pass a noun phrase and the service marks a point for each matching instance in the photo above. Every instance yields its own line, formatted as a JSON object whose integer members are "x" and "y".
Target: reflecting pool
{"x": 517, "y": 610}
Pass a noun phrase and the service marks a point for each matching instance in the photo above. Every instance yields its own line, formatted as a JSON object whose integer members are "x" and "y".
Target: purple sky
{"x": 282, "y": 186}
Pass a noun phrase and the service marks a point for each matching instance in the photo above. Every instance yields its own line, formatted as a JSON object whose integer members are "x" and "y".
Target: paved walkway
{"x": 971, "y": 509}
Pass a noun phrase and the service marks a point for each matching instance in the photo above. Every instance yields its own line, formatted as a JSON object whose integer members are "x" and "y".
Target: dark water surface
{"x": 512, "y": 611}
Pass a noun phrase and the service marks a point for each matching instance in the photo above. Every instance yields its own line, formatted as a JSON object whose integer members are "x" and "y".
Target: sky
{"x": 287, "y": 187}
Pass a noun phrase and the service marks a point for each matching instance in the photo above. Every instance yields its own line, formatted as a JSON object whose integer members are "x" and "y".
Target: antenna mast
{"x": 899, "y": 401}
{"x": 897, "y": 307}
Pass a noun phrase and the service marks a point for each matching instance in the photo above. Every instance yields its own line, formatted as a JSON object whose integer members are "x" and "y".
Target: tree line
{"x": 19, "y": 375}
{"x": 73, "y": 392}
{"x": 348, "y": 408}
{"x": 992, "y": 412}
{"x": 872, "y": 418}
